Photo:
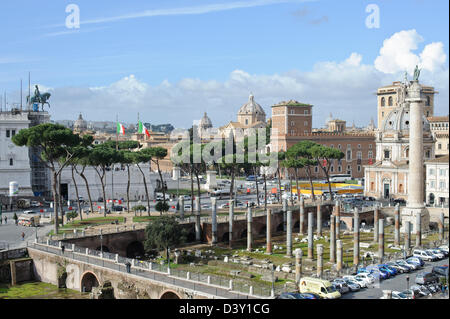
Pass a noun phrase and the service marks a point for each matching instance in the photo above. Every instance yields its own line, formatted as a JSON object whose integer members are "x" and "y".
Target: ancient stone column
{"x": 407, "y": 236}
{"x": 181, "y": 202}
{"x": 298, "y": 265}
{"x": 356, "y": 237}
{"x": 441, "y": 226}
{"x": 198, "y": 230}
{"x": 285, "y": 207}
{"x": 269, "y": 232}
{"x": 338, "y": 219}
{"x": 381, "y": 239}
{"x": 332, "y": 239}
{"x": 376, "y": 213}
{"x": 418, "y": 230}
{"x": 214, "y": 220}
{"x": 230, "y": 223}
{"x": 416, "y": 167}
{"x": 339, "y": 255}
{"x": 289, "y": 234}
{"x": 302, "y": 217}
{"x": 249, "y": 229}
{"x": 397, "y": 226}
{"x": 319, "y": 261}
{"x": 319, "y": 220}
{"x": 310, "y": 236}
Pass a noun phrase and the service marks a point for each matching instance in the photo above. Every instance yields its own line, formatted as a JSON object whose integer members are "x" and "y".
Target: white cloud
{"x": 397, "y": 54}
{"x": 345, "y": 88}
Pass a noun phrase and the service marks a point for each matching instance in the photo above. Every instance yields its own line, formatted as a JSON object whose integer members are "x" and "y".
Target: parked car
{"x": 353, "y": 285}
{"x": 117, "y": 208}
{"x": 416, "y": 260}
{"x": 398, "y": 295}
{"x": 443, "y": 251}
{"x": 409, "y": 293}
{"x": 342, "y": 288}
{"x": 366, "y": 277}
{"x": 444, "y": 248}
{"x": 424, "y": 255}
{"x": 425, "y": 278}
{"x": 403, "y": 263}
{"x": 437, "y": 253}
{"x": 383, "y": 267}
{"x": 400, "y": 269}
{"x": 419, "y": 292}
{"x": 440, "y": 271}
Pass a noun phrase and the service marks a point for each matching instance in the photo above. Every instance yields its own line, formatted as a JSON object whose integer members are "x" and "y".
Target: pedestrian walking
{"x": 15, "y": 218}
{"x": 23, "y": 236}
{"x": 63, "y": 248}
{"x": 6, "y": 220}
{"x": 128, "y": 265}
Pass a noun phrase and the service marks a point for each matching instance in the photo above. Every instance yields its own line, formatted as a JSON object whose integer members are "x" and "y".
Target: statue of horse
{"x": 39, "y": 98}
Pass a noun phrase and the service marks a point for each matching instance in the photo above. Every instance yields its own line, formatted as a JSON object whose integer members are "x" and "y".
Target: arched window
{"x": 407, "y": 153}
{"x": 390, "y": 101}
{"x": 400, "y": 188}
{"x": 383, "y": 101}
{"x": 428, "y": 101}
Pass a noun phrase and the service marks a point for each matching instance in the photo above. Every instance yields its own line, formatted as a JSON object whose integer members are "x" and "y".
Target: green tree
{"x": 55, "y": 143}
{"x": 324, "y": 156}
{"x": 162, "y": 207}
{"x": 158, "y": 154}
{"x": 164, "y": 233}
{"x": 302, "y": 152}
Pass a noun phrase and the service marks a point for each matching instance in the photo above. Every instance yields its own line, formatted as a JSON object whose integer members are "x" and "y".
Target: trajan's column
{"x": 416, "y": 175}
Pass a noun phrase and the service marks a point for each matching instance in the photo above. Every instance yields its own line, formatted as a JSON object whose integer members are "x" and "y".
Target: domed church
{"x": 388, "y": 176}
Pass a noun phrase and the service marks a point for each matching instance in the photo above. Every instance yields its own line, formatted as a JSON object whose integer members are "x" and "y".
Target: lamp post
{"x": 407, "y": 282}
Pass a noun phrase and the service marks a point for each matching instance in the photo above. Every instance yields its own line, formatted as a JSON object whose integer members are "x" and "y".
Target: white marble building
{"x": 437, "y": 183}
{"x": 14, "y": 160}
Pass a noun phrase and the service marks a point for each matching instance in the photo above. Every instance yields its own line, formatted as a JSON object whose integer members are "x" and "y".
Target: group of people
{"x": 5, "y": 219}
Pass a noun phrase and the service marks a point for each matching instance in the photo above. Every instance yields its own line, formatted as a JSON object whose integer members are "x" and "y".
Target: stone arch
{"x": 135, "y": 249}
{"x": 169, "y": 294}
{"x": 88, "y": 281}
{"x": 390, "y": 101}
{"x": 105, "y": 249}
{"x": 280, "y": 228}
{"x": 383, "y": 101}
{"x": 226, "y": 237}
{"x": 262, "y": 230}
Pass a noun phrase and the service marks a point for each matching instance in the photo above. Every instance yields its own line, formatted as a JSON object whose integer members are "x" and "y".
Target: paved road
{"x": 12, "y": 235}
{"x": 397, "y": 283}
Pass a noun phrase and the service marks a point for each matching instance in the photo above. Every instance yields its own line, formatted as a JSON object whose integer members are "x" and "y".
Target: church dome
{"x": 205, "y": 122}
{"x": 251, "y": 107}
{"x": 398, "y": 120}
{"x": 80, "y": 124}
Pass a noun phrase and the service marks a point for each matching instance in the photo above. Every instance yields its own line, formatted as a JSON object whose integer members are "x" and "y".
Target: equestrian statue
{"x": 39, "y": 98}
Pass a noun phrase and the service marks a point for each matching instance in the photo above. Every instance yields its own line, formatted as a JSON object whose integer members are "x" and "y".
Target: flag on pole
{"x": 143, "y": 130}
{"x": 120, "y": 129}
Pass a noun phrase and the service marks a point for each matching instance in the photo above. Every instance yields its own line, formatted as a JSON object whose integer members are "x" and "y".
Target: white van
{"x": 424, "y": 255}
{"x": 323, "y": 288}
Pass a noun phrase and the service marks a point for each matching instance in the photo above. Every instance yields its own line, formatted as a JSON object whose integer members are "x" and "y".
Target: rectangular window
{"x": 442, "y": 172}
{"x": 13, "y": 132}
{"x": 305, "y": 123}
{"x": 432, "y": 184}
{"x": 8, "y": 133}
{"x": 431, "y": 171}
{"x": 387, "y": 154}
{"x": 306, "y": 131}
{"x": 439, "y": 146}
{"x": 11, "y": 162}
{"x": 359, "y": 146}
{"x": 359, "y": 155}
{"x": 316, "y": 169}
{"x": 441, "y": 185}
{"x": 370, "y": 146}
{"x": 292, "y": 123}
{"x": 306, "y": 112}
{"x": 359, "y": 168}
{"x": 370, "y": 154}
{"x": 339, "y": 169}
{"x": 349, "y": 155}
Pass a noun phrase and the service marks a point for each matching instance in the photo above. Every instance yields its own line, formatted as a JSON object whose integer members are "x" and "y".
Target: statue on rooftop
{"x": 416, "y": 73}
{"x": 39, "y": 98}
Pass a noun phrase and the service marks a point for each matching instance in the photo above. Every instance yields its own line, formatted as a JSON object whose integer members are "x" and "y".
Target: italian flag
{"x": 120, "y": 129}
{"x": 143, "y": 130}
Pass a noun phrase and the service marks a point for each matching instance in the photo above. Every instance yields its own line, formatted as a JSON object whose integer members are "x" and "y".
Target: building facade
{"x": 437, "y": 182}
{"x": 393, "y": 96}
{"x": 439, "y": 128}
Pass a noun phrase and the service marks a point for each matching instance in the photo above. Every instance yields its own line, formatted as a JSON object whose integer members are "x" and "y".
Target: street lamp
{"x": 407, "y": 282}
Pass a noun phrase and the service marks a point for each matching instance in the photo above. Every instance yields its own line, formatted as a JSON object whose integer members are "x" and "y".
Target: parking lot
{"x": 397, "y": 283}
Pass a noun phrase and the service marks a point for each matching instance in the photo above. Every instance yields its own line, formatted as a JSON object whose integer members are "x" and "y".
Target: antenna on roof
{"x": 21, "y": 95}
{"x": 29, "y": 91}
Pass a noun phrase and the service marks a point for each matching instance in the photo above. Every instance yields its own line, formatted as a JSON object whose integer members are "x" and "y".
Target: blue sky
{"x": 262, "y": 38}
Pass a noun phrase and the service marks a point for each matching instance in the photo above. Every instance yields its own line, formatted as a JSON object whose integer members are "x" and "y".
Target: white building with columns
{"x": 437, "y": 183}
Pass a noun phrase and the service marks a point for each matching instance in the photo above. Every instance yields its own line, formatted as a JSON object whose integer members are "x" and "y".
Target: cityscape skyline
{"x": 205, "y": 56}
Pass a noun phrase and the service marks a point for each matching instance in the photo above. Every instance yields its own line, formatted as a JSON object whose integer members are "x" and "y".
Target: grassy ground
{"x": 87, "y": 222}
{"x": 38, "y": 290}
{"x": 185, "y": 191}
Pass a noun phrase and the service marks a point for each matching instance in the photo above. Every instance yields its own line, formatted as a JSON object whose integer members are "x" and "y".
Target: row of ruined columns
{"x": 336, "y": 245}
